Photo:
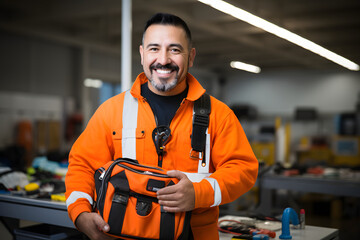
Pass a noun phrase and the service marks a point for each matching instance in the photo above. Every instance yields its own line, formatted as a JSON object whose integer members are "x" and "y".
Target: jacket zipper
{"x": 152, "y": 111}
{"x": 181, "y": 106}
{"x": 161, "y": 156}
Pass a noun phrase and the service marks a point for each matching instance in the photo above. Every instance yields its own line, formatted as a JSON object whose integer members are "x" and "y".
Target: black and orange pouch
{"x": 126, "y": 199}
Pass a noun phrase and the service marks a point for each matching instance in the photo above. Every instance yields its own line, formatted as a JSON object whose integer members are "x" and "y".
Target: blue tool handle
{"x": 289, "y": 215}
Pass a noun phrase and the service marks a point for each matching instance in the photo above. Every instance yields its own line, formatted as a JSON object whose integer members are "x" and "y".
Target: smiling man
{"x": 166, "y": 60}
{"x": 161, "y": 103}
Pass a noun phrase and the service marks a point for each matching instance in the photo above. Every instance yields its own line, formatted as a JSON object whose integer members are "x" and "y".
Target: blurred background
{"x": 59, "y": 60}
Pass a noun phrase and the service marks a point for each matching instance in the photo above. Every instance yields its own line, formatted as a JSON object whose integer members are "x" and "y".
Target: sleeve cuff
{"x": 75, "y": 209}
{"x": 204, "y": 194}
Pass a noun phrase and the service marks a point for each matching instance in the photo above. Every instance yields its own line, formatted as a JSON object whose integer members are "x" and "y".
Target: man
{"x": 164, "y": 95}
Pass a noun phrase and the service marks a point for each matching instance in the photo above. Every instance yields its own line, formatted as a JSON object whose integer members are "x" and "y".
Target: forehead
{"x": 158, "y": 33}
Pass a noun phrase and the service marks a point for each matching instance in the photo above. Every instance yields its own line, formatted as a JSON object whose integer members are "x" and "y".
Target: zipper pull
{"x": 160, "y": 159}
{"x": 102, "y": 174}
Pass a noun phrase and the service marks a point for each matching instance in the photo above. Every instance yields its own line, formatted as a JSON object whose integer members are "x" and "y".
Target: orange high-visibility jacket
{"x": 122, "y": 127}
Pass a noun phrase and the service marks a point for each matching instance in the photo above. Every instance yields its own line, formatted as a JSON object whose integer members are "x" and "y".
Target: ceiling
{"x": 218, "y": 38}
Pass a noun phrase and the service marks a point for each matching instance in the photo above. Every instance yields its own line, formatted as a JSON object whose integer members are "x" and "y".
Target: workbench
{"x": 309, "y": 233}
{"x": 15, "y": 208}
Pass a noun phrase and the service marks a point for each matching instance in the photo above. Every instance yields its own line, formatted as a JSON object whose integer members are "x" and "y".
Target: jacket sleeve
{"x": 90, "y": 151}
{"x": 235, "y": 164}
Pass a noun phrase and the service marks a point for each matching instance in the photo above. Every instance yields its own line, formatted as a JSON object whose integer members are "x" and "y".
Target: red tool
{"x": 263, "y": 231}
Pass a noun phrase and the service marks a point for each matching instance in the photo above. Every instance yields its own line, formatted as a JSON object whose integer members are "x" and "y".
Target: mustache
{"x": 167, "y": 66}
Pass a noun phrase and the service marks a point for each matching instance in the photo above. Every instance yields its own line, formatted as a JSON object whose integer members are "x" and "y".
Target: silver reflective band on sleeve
{"x": 217, "y": 191}
{"x": 205, "y": 169}
{"x": 196, "y": 177}
{"x": 130, "y": 112}
{"x": 74, "y": 196}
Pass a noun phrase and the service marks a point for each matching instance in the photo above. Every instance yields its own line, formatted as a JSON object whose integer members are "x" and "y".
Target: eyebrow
{"x": 177, "y": 45}
{"x": 152, "y": 45}
{"x": 171, "y": 45}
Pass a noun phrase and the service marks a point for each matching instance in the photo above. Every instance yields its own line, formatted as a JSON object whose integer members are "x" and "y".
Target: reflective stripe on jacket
{"x": 125, "y": 130}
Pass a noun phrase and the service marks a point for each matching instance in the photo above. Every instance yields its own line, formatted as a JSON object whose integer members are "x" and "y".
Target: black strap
{"x": 119, "y": 202}
{"x": 202, "y": 109}
{"x": 167, "y": 222}
{"x": 167, "y": 225}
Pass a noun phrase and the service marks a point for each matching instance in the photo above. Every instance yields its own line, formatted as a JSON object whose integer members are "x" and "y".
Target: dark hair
{"x": 168, "y": 19}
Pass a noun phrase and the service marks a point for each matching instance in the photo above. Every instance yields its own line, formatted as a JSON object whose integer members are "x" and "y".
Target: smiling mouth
{"x": 164, "y": 69}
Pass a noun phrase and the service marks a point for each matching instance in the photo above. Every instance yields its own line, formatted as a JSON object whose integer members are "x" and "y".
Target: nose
{"x": 163, "y": 57}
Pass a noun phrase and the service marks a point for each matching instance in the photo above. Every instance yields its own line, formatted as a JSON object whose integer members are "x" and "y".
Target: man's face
{"x": 166, "y": 58}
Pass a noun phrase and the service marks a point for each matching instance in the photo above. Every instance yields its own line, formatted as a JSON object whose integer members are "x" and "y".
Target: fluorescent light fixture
{"x": 245, "y": 66}
{"x": 95, "y": 83}
{"x": 280, "y": 32}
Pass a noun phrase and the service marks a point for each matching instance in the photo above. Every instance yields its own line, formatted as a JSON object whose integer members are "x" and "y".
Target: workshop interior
{"x": 289, "y": 70}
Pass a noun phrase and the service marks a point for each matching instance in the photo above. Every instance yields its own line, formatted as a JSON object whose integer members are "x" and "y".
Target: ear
{"x": 192, "y": 57}
{"x": 141, "y": 50}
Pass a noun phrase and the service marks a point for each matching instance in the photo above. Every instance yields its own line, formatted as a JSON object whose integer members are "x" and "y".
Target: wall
{"x": 279, "y": 93}
{"x": 36, "y": 66}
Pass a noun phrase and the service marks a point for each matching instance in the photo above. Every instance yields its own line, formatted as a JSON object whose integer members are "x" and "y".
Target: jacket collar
{"x": 195, "y": 88}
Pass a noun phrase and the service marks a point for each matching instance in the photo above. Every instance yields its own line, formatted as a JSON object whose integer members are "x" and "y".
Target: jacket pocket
{"x": 127, "y": 142}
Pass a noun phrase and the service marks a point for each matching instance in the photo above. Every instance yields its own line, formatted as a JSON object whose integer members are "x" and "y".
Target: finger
{"x": 172, "y": 209}
{"x": 101, "y": 224}
{"x": 168, "y": 203}
{"x": 167, "y": 197}
{"x": 167, "y": 190}
{"x": 177, "y": 174}
{"x": 174, "y": 188}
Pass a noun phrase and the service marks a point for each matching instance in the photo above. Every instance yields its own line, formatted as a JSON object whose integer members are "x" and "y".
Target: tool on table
{"x": 302, "y": 218}
{"x": 289, "y": 215}
{"x": 242, "y": 230}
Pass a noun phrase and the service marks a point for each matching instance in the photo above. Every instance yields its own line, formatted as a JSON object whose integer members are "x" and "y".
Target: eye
{"x": 175, "y": 50}
{"x": 153, "y": 49}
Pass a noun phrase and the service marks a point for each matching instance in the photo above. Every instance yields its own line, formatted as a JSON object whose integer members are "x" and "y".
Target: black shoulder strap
{"x": 202, "y": 109}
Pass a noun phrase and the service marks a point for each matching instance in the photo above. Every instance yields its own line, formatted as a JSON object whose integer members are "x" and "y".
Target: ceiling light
{"x": 95, "y": 83}
{"x": 280, "y": 32}
{"x": 245, "y": 66}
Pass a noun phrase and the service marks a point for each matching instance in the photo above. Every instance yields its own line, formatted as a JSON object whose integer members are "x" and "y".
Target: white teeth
{"x": 163, "y": 71}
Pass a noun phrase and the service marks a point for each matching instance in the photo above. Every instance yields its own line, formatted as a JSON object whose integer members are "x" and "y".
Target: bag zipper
{"x": 101, "y": 178}
{"x": 102, "y": 174}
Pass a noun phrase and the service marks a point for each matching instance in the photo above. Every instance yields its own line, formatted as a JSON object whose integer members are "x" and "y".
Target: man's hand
{"x": 179, "y": 197}
{"x": 93, "y": 226}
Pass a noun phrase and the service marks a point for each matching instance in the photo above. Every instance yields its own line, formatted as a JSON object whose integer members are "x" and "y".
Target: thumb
{"x": 101, "y": 224}
{"x": 176, "y": 173}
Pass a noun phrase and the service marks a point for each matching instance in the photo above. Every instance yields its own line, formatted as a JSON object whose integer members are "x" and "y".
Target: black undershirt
{"x": 163, "y": 107}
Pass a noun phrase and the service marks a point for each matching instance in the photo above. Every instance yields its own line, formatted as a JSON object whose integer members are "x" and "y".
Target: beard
{"x": 164, "y": 84}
